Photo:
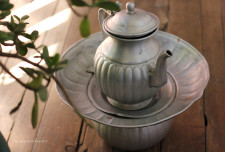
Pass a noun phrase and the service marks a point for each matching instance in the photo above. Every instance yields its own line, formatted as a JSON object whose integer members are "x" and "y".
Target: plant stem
{"x": 8, "y": 44}
{"x": 24, "y": 59}
{"x": 18, "y": 80}
{"x": 74, "y": 11}
{"x": 45, "y": 70}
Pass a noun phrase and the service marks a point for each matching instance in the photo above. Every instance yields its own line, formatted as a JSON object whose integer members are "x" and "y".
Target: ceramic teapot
{"x": 130, "y": 65}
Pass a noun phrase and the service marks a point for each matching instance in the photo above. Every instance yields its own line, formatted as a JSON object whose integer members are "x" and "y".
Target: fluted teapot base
{"x": 123, "y": 106}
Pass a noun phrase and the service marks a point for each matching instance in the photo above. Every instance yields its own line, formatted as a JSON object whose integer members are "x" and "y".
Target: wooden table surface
{"x": 198, "y": 129}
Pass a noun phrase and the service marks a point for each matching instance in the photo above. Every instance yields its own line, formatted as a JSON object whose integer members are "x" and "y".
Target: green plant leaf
{"x": 3, "y": 14}
{"x": 107, "y": 5}
{"x": 55, "y": 59}
{"x": 36, "y": 82}
{"x": 85, "y": 27}
{"x": 5, "y": 23}
{"x": 18, "y": 19}
{"x": 31, "y": 73}
{"x": 43, "y": 93}
{"x": 3, "y": 144}
{"x": 21, "y": 48}
{"x": 4, "y": 5}
{"x": 28, "y": 71}
{"x": 60, "y": 65}
{"x": 30, "y": 45}
{"x": 34, "y": 35}
{"x": 20, "y": 27}
{"x": 28, "y": 36}
{"x": 4, "y": 1}
{"x": 5, "y": 36}
{"x": 45, "y": 56}
{"x": 63, "y": 62}
{"x": 10, "y": 26}
{"x": 24, "y": 17}
{"x": 12, "y": 20}
{"x": 45, "y": 52}
{"x": 79, "y": 3}
{"x": 34, "y": 117}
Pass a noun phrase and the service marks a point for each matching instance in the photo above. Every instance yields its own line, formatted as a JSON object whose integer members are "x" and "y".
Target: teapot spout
{"x": 159, "y": 76}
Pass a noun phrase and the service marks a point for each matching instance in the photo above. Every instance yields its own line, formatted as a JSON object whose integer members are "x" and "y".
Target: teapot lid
{"x": 131, "y": 23}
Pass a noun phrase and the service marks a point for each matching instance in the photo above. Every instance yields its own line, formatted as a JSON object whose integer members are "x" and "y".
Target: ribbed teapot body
{"x": 122, "y": 69}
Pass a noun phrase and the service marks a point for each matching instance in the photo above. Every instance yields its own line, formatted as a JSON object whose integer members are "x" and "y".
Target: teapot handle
{"x": 101, "y": 17}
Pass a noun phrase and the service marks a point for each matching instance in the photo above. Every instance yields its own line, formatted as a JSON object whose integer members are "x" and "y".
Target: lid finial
{"x": 131, "y": 23}
{"x": 130, "y": 8}
{"x": 119, "y": 4}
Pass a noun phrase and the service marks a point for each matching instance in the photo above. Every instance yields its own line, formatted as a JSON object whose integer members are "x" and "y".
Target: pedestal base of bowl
{"x": 133, "y": 139}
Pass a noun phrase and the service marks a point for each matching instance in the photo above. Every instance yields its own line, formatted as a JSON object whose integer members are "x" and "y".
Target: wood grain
{"x": 213, "y": 50}
{"x": 71, "y": 125}
{"x": 7, "y": 101}
{"x": 65, "y": 136}
{"x": 65, "y": 124}
{"x": 8, "y": 85}
{"x": 59, "y": 126}
{"x": 23, "y": 135}
{"x": 188, "y": 130}
{"x": 90, "y": 141}
{"x": 157, "y": 7}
